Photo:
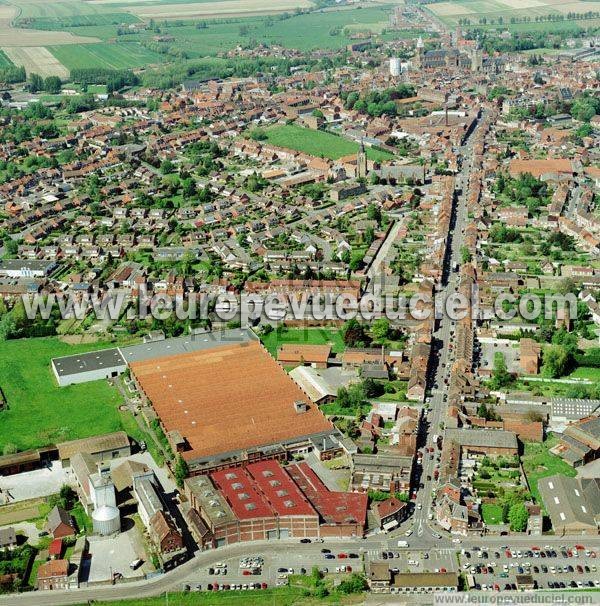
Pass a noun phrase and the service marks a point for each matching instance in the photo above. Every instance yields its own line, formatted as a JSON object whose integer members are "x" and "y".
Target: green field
{"x": 4, "y": 60}
{"x": 120, "y": 55}
{"x": 539, "y": 463}
{"x": 304, "y": 336}
{"x": 326, "y": 30}
{"x": 318, "y": 143}
{"x": 39, "y": 412}
{"x": 77, "y": 21}
{"x": 492, "y": 514}
{"x": 490, "y": 13}
{"x": 32, "y": 9}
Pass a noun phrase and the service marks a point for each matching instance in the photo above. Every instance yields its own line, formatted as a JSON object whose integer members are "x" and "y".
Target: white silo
{"x": 107, "y": 520}
{"x": 395, "y": 67}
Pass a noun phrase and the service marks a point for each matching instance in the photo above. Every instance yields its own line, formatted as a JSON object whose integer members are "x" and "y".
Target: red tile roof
{"x": 334, "y": 507}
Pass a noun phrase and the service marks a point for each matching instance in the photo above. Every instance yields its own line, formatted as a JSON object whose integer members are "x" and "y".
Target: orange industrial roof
{"x": 226, "y": 399}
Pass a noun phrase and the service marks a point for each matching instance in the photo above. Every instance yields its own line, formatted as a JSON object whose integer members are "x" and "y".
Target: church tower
{"x": 476, "y": 57}
{"x": 418, "y": 59}
{"x": 361, "y": 161}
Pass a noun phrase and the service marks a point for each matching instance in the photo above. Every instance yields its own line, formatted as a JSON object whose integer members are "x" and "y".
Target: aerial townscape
{"x": 299, "y": 302}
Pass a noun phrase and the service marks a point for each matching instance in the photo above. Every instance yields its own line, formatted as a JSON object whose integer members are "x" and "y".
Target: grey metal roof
{"x": 185, "y": 344}
{"x": 493, "y": 438}
{"x": 567, "y": 502}
{"x": 101, "y": 359}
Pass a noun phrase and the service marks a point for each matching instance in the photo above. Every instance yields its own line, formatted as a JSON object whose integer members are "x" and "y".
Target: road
{"x": 441, "y": 362}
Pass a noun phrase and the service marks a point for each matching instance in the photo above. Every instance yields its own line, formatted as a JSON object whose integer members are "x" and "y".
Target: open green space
{"x": 118, "y": 55}
{"x": 56, "y": 9}
{"x": 328, "y": 30}
{"x": 318, "y": 143}
{"x": 586, "y": 372}
{"x": 539, "y": 462}
{"x": 41, "y": 413}
{"x": 304, "y": 336}
{"x": 492, "y": 514}
{"x": 4, "y": 60}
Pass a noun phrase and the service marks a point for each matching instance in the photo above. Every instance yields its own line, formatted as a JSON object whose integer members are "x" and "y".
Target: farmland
{"x": 4, "y": 60}
{"x": 37, "y": 59}
{"x": 318, "y": 143}
{"x": 111, "y": 55}
{"x": 39, "y": 411}
{"x": 476, "y": 11}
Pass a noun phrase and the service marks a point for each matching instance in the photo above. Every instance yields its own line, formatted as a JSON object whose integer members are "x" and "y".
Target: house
{"x": 164, "y": 533}
{"x": 54, "y": 574}
{"x": 316, "y": 356}
{"x": 55, "y": 549}
{"x": 60, "y": 524}
{"x": 390, "y": 513}
{"x": 580, "y": 442}
{"x": 530, "y": 356}
{"x": 8, "y": 538}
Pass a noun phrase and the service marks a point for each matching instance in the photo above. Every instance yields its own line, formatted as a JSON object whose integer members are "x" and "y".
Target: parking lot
{"x": 274, "y": 570}
{"x": 557, "y": 567}
{"x": 439, "y": 560}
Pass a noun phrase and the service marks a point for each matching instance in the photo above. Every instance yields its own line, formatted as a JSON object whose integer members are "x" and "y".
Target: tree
{"x": 36, "y": 83}
{"x": 380, "y": 329}
{"x": 465, "y": 255}
{"x": 500, "y": 376}
{"x": 52, "y": 85}
{"x": 355, "y": 584}
{"x": 181, "y": 471}
{"x": 556, "y": 360}
{"x": 518, "y": 517}
{"x": 354, "y": 334}
{"x": 372, "y": 389}
{"x": 167, "y": 167}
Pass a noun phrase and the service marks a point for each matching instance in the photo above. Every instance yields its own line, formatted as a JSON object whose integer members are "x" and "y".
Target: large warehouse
{"x": 228, "y": 402}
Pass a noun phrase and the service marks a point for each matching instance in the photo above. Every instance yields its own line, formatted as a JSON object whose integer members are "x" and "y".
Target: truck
{"x": 402, "y": 543}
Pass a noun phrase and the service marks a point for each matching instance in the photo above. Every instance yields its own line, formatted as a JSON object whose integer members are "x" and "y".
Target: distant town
{"x": 441, "y": 156}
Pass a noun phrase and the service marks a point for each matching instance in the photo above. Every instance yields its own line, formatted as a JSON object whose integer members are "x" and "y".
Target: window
{"x": 242, "y": 496}
{"x": 250, "y": 506}
{"x": 230, "y": 476}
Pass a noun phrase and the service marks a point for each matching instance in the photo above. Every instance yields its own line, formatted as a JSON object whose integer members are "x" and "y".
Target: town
{"x": 444, "y": 159}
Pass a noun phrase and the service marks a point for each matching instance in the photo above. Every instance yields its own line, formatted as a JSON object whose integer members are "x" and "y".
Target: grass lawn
{"x": 492, "y": 514}
{"x": 586, "y": 372}
{"x": 318, "y": 143}
{"x": 41, "y": 413}
{"x": 304, "y": 336}
{"x": 539, "y": 462}
{"x": 281, "y": 596}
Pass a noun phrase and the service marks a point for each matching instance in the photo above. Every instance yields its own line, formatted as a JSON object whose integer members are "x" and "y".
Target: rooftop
{"x": 226, "y": 399}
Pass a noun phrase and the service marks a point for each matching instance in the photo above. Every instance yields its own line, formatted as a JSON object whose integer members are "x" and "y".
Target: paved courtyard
{"x": 109, "y": 555}
{"x": 32, "y": 484}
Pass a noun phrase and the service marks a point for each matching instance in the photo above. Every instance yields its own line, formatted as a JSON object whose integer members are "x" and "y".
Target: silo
{"x": 107, "y": 520}
{"x": 395, "y": 67}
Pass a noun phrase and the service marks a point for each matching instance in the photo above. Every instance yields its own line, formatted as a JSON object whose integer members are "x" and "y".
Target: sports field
{"x": 118, "y": 55}
{"x": 42, "y": 413}
{"x": 318, "y": 143}
{"x": 304, "y": 336}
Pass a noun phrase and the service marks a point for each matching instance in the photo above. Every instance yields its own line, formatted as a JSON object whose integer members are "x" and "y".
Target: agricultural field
{"x": 474, "y": 10}
{"x": 39, "y": 412}
{"x": 37, "y": 59}
{"x": 4, "y": 60}
{"x": 318, "y": 143}
{"x": 119, "y": 55}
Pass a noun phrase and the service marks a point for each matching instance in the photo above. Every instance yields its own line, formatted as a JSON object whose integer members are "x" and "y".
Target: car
{"x": 544, "y": 569}
{"x": 305, "y": 541}
{"x": 354, "y": 556}
{"x": 325, "y": 550}
{"x": 209, "y": 587}
{"x": 282, "y": 569}
{"x": 536, "y": 570}
{"x": 342, "y": 556}
{"x": 211, "y": 571}
{"x": 408, "y": 532}
{"x": 508, "y": 553}
{"x": 329, "y": 556}
{"x": 456, "y": 540}
{"x": 579, "y": 569}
